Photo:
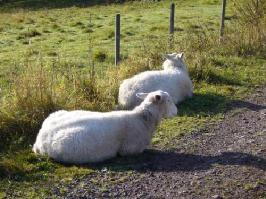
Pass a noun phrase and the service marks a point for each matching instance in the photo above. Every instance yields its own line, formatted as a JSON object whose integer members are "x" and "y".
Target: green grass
{"x": 34, "y": 177}
{"x": 48, "y": 33}
{"x": 59, "y": 55}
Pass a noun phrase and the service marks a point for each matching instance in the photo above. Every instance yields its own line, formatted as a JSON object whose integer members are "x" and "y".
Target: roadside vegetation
{"x": 61, "y": 57}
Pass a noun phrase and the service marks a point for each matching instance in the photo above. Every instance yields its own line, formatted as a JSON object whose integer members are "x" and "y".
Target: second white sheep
{"x": 174, "y": 79}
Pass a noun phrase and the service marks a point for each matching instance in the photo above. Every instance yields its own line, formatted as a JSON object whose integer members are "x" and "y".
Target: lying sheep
{"x": 174, "y": 79}
{"x": 83, "y": 136}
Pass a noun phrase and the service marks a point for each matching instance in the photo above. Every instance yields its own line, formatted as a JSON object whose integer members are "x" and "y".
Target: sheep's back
{"x": 172, "y": 81}
{"x": 80, "y": 136}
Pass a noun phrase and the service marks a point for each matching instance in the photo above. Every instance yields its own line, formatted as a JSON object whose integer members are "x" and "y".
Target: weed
{"x": 110, "y": 34}
{"x": 248, "y": 187}
{"x": 88, "y": 30}
{"x": 52, "y": 54}
{"x": 158, "y": 28}
{"x": 29, "y": 34}
{"x": 129, "y": 33}
{"x": 29, "y": 21}
{"x": 46, "y": 31}
{"x": 100, "y": 56}
{"x": 177, "y": 29}
{"x": 78, "y": 24}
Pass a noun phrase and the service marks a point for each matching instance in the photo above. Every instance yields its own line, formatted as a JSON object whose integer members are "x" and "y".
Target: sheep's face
{"x": 173, "y": 61}
{"x": 162, "y": 100}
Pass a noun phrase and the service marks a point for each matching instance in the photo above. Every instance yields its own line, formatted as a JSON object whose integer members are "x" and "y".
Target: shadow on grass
{"x": 161, "y": 161}
{"x": 215, "y": 78}
{"x": 48, "y": 4}
{"x": 203, "y": 105}
{"x": 150, "y": 160}
{"x": 210, "y": 104}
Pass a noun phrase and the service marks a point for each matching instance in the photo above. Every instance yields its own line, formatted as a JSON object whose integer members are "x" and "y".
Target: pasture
{"x": 60, "y": 55}
{"x": 78, "y": 34}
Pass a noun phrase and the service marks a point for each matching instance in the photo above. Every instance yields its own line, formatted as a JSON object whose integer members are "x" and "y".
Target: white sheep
{"x": 83, "y": 136}
{"x": 173, "y": 79}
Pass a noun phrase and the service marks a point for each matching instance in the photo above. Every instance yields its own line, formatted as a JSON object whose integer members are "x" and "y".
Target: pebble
{"x": 217, "y": 197}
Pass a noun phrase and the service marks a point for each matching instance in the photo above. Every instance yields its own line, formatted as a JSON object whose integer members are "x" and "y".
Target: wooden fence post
{"x": 222, "y": 20}
{"x": 172, "y": 19}
{"x": 171, "y": 25}
{"x": 117, "y": 39}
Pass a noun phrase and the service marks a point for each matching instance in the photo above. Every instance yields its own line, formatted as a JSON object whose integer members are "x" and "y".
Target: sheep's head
{"x": 159, "y": 100}
{"x": 174, "y": 61}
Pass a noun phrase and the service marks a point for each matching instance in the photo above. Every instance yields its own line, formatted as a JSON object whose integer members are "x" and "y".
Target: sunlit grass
{"x": 49, "y": 33}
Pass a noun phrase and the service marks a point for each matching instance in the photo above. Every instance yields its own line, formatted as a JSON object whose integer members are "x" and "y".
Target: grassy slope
{"x": 23, "y": 174}
{"x": 66, "y": 33}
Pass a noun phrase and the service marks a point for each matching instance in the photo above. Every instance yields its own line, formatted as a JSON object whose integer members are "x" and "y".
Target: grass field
{"x": 59, "y": 55}
{"x": 78, "y": 34}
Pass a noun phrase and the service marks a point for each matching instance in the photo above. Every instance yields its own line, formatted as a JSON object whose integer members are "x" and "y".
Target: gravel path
{"x": 226, "y": 160}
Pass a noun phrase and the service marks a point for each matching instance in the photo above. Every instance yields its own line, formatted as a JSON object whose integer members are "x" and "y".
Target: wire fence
{"x": 124, "y": 41}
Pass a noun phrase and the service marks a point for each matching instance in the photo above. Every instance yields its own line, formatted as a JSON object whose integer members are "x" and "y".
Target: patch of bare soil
{"x": 226, "y": 160}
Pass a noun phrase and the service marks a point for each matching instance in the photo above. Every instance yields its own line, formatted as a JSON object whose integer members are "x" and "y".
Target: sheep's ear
{"x": 141, "y": 95}
{"x": 157, "y": 98}
{"x": 180, "y": 55}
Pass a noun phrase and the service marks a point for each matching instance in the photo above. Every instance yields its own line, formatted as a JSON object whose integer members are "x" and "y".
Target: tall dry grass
{"x": 248, "y": 33}
{"x": 41, "y": 88}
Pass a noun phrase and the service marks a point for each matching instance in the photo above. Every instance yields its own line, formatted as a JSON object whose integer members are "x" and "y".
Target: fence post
{"x": 117, "y": 39}
{"x": 171, "y": 25}
{"x": 172, "y": 18}
{"x": 222, "y": 20}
